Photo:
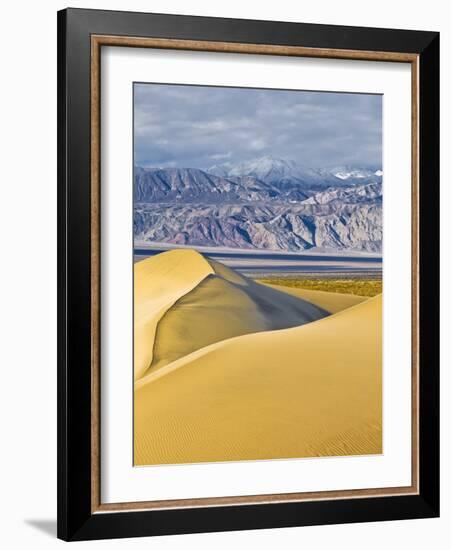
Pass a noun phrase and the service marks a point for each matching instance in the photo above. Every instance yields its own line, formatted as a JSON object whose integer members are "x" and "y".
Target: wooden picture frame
{"x": 81, "y": 35}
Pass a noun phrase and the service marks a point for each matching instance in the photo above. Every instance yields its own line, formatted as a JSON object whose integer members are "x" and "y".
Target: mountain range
{"x": 267, "y": 203}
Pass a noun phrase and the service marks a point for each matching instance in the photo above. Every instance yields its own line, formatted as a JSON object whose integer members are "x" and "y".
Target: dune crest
{"x": 158, "y": 283}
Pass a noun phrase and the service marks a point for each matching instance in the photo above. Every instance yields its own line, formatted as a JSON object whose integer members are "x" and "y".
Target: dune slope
{"x": 312, "y": 390}
{"x": 158, "y": 283}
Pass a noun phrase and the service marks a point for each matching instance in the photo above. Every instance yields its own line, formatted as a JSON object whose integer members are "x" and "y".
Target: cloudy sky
{"x": 199, "y": 126}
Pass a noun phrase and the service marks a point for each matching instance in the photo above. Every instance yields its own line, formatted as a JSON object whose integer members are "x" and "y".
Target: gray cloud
{"x": 197, "y": 126}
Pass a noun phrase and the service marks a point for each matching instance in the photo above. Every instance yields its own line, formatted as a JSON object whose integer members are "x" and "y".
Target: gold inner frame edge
{"x": 97, "y": 41}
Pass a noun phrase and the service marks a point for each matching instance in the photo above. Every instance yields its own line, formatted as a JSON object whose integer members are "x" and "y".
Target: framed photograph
{"x": 248, "y": 274}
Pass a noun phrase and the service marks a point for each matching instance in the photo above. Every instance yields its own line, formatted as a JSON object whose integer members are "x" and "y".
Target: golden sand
{"x": 312, "y": 390}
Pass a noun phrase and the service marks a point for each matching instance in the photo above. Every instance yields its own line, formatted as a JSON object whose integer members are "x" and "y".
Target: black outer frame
{"x": 75, "y": 520}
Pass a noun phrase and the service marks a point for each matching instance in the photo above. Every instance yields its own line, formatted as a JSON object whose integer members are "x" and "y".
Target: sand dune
{"x": 222, "y": 306}
{"x": 191, "y": 302}
{"x": 311, "y": 390}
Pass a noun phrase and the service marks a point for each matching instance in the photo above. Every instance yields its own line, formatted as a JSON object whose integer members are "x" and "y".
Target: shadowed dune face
{"x": 222, "y": 306}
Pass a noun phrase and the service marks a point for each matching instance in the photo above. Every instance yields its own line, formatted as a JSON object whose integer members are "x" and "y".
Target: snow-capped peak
{"x": 271, "y": 169}
{"x": 350, "y": 172}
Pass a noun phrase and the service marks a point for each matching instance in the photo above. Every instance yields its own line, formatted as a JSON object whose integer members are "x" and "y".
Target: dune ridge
{"x": 224, "y": 305}
{"x": 158, "y": 283}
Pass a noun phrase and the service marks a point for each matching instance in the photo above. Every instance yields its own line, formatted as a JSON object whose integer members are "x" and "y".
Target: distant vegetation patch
{"x": 359, "y": 287}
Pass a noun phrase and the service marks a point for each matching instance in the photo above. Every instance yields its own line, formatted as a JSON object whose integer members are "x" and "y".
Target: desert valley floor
{"x": 227, "y": 368}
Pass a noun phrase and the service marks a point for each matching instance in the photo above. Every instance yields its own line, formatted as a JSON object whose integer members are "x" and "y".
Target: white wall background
{"x": 28, "y": 273}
